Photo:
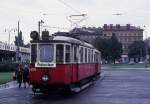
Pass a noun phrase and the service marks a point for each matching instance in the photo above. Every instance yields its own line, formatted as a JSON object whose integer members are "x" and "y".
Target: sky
{"x": 57, "y": 12}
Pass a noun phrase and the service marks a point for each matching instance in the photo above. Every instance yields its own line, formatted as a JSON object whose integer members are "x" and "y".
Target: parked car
{"x": 131, "y": 63}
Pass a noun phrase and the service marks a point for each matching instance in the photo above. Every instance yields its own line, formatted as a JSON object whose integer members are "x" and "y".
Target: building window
{"x": 113, "y": 34}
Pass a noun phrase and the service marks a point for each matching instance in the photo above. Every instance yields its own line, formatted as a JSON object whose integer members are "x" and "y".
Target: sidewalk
{"x": 8, "y": 85}
{"x": 107, "y": 67}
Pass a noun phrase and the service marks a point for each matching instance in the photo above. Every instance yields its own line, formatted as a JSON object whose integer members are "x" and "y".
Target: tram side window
{"x": 59, "y": 53}
{"x": 92, "y": 56}
{"x": 96, "y": 57}
{"x": 99, "y": 58}
{"x": 33, "y": 53}
{"x": 81, "y": 54}
{"x": 89, "y": 56}
{"x": 85, "y": 55}
{"x": 68, "y": 57}
{"x": 75, "y": 54}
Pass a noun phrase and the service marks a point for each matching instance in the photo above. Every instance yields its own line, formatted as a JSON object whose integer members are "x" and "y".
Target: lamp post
{"x": 146, "y": 48}
{"x": 18, "y": 60}
{"x": 9, "y": 32}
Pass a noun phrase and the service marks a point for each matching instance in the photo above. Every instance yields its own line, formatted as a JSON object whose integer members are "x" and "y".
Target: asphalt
{"x": 115, "y": 87}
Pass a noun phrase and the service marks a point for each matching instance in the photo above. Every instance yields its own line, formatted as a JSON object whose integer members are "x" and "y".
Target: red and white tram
{"x": 62, "y": 63}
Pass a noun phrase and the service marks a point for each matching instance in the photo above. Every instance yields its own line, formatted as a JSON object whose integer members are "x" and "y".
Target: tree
{"x": 103, "y": 46}
{"x": 110, "y": 49}
{"x": 115, "y": 48}
{"x": 137, "y": 50}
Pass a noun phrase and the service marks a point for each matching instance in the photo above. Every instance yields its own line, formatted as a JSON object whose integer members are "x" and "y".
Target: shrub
{"x": 8, "y": 66}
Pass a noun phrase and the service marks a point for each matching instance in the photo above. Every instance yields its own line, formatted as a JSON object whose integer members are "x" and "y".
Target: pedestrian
{"x": 26, "y": 75}
{"x": 19, "y": 74}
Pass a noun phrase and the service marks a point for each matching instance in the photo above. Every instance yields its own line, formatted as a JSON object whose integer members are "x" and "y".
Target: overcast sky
{"x": 99, "y": 12}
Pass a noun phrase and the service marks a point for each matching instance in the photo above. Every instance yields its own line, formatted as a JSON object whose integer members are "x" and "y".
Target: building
{"x": 126, "y": 34}
{"x": 8, "y": 53}
{"x": 87, "y": 34}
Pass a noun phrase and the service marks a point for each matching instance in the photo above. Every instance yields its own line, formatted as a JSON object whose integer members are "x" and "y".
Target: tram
{"x": 62, "y": 63}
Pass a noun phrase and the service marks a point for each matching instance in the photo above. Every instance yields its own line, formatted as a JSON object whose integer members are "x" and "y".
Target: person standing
{"x": 26, "y": 75}
{"x": 19, "y": 75}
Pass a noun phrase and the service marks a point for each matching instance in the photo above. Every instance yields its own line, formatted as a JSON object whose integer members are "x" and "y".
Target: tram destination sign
{"x": 45, "y": 64}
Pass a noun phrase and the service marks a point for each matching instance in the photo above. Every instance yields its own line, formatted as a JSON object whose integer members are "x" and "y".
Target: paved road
{"x": 116, "y": 87}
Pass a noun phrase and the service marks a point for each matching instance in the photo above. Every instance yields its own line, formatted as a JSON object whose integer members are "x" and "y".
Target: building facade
{"x": 88, "y": 34}
{"x": 126, "y": 34}
{"x": 8, "y": 53}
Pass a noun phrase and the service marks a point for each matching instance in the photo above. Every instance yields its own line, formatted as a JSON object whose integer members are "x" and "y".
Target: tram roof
{"x": 65, "y": 39}
{"x": 71, "y": 40}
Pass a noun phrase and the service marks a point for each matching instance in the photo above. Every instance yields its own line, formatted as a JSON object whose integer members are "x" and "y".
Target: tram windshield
{"x": 46, "y": 52}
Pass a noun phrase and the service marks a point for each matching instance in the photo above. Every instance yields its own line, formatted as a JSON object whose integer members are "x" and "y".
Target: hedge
{"x": 8, "y": 66}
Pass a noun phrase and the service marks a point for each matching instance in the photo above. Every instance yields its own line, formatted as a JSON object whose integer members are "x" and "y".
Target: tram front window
{"x": 46, "y": 53}
{"x": 33, "y": 53}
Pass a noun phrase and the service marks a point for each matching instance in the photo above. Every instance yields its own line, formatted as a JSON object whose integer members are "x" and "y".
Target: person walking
{"x": 19, "y": 75}
{"x": 26, "y": 75}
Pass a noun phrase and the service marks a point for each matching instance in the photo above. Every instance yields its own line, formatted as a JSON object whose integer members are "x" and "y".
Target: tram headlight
{"x": 34, "y": 35}
{"x": 45, "y": 78}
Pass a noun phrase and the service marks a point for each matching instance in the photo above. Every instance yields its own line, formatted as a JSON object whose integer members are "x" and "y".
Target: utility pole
{"x": 146, "y": 49}
{"x": 39, "y": 26}
{"x": 17, "y": 50}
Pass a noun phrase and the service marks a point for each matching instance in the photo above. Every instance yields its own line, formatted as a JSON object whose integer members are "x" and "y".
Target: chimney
{"x": 105, "y": 26}
{"x": 111, "y": 26}
{"x": 118, "y": 26}
{"x": 128, "y": 26}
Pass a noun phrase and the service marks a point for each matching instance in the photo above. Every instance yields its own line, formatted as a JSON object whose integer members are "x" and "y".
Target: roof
{"x": 65, "y": 39}
{"x": 71, "y": 40}
{"x": 119, "y": 27}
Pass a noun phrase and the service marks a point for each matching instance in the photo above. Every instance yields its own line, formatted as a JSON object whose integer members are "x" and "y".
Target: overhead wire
{"x": 69, "y": 6}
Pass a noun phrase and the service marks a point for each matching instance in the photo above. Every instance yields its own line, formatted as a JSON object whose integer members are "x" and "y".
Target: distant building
{"x": 8, "y": 53}
{"x": 87, "y": 34}
{"x": 126, "y": 35}
{"x": 18, "y": 40}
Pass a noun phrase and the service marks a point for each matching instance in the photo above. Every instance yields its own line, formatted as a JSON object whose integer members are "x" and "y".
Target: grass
{"x": 6, "y": 77}
{"x": 126, "y": 65}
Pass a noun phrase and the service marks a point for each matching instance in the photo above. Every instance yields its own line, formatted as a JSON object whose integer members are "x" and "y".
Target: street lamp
{"x": 9, "y": 31}
{"x": 146, "y": 48}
